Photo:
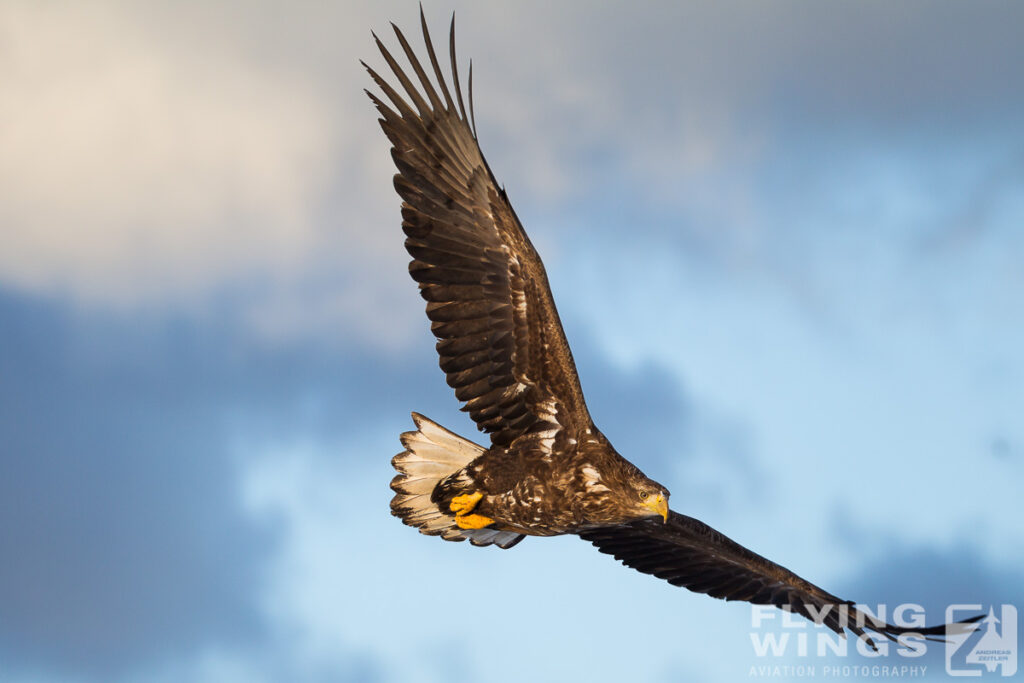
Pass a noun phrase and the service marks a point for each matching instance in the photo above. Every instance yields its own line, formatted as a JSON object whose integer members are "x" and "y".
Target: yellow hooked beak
{"x": 659, "y": 505}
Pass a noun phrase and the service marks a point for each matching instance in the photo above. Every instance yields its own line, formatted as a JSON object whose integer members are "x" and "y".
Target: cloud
{"x": 682, "y": 99}
{"x": 895, "y": 570}
{"x": 166, "y": 474}
{"x": 126, "y": 542}
{"x": 140, "y": 163}
{"x": 164, "y": 155}
{"x": 121, "y": 541}
{"x": 959, "y": 573}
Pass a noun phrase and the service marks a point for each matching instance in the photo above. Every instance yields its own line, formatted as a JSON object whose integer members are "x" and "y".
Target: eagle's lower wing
{"x": 686, "y": 552}
{"x": 499, "y": 336}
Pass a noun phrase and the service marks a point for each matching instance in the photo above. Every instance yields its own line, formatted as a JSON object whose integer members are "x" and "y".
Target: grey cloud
{"x": 897, "y": 570}
{"x": 124, "y": 542}
{"x": 121, "y": 537}
{"x": 742, "y": 132}
{"x": 943, "y": 64}
{"x": 978, "y": 212}
{"x": 893, "y": 567}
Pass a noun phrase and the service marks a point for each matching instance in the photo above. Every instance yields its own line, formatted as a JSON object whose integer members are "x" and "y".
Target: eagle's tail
{"x": 431, "y": 454}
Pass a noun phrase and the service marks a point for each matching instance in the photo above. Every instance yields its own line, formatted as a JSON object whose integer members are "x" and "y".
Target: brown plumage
{"x": 548, "y": 470}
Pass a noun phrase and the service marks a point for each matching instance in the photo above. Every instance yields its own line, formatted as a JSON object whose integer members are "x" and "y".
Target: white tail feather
{"x": 431, "y": 454}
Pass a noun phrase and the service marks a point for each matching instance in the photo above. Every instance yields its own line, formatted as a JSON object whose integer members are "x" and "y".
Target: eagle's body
{"x": 548, "y": 470}
{"x": 536, "y": 488}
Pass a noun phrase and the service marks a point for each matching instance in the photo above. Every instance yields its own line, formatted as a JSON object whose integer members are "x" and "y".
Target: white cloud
{"x": 153, "y": 151}
{"x": 161, "y": 152}
{"x": 138, "y": 163}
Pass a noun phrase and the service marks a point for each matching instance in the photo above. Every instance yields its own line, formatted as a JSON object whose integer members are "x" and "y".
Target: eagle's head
{"x": 651, "y": 498}
{"x": 612, "y": 490}
{"x": 635, "y": 495}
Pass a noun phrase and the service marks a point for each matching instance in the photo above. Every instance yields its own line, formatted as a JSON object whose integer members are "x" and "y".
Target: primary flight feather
{"x": 549, "y": 470}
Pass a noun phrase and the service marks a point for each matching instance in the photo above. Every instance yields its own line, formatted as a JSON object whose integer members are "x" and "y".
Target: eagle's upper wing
{"x": 687, "y": 552}
{"x": 499, "y": 337}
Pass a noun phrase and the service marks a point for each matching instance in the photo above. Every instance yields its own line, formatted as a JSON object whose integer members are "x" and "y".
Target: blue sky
{"x": 785, "y": 239}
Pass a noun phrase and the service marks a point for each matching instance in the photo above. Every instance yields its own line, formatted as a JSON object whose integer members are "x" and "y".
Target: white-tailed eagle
{"x": 548, "y": 470}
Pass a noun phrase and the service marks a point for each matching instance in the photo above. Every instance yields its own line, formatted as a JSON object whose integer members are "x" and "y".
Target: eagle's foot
{"x": 473, "y": 521}
{"x": 463, "y": 504}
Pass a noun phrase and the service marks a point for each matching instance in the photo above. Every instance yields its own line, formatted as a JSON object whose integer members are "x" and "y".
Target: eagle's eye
{"x": 644, "y": 495}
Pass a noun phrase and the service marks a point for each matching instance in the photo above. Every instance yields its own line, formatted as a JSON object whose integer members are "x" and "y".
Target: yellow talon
{"x": 460, "y": 505}
{"x": 473, "y": 521}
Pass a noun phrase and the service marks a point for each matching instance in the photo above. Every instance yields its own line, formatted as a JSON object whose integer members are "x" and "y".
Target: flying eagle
{"x": 549, "y": 470}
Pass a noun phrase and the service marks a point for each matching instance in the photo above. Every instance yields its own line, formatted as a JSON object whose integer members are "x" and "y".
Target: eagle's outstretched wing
{"x": 499, "y": 336}
{"x": 686, "y": 552}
